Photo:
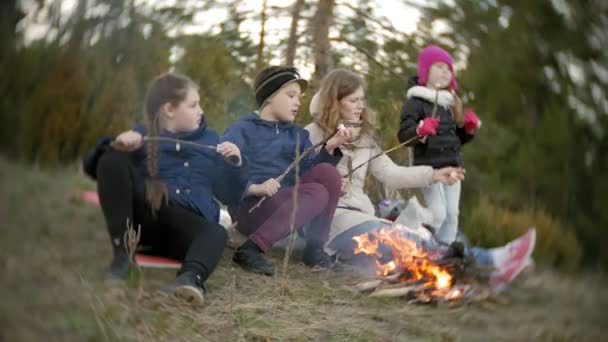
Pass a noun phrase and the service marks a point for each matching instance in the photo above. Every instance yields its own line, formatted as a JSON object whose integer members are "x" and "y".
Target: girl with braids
{"x": 169, "y": 187}
{"x": 432, "y": 116}
{"x": 342, "y": 99}
{"x": 269, "y": 139}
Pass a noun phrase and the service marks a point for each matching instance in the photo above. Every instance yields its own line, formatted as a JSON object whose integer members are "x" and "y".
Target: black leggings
{"x": 175, "y": 231}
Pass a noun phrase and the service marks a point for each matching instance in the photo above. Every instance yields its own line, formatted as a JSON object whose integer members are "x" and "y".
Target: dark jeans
{"x": 317, "y": 198}
{"x": 174, "y": 231}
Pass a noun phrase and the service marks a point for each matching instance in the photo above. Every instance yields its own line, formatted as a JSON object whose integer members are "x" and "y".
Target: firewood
{"x": 420, "y": 299}
{"x": 368, "y": 285}
{"x": 392, "y": 278}
{"x": 397, "y": 292}
{"x": 402, "y": 284}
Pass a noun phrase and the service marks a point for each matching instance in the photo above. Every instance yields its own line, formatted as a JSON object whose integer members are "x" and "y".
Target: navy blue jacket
{"x": 271, "y": 146}
{"x": 194, "y": 176}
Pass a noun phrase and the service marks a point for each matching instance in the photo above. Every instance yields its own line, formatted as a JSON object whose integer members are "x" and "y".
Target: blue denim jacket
{"x": 194, "y": 176}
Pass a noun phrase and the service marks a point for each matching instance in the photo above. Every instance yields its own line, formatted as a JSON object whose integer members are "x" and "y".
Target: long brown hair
{"x": 337, "y": 85}
{"x": 166, "y": 88}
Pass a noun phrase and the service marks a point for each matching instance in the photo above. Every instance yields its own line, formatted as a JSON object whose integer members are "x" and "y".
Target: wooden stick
{"x": 379, "y": 154}
{"x": 434, "y": 112}
{"x": 397, "y": 292}
{"x": 402, "y": 284}
{"x": 233, "y": 160}
{"x": 368, "y": 285}
{"x": 373, "y": 284}
{"x": 179, "y": 141}
{"x": 422, "y": 298}
{"x": 290, "y": 167}
{"x": 393, "y": 277}
{"x": 292, "y": 224}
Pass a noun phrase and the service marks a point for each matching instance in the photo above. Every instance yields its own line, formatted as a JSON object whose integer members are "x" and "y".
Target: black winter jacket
{"x": 444, "y": 148}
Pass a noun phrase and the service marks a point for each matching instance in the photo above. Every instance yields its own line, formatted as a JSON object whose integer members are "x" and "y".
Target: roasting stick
{"x": 380, "y": 154}
{"x": 179, "y": 141}
{"x": 297, "y": 161}
{"x": 289, "y": 168}
{"x": 233, "y": 160}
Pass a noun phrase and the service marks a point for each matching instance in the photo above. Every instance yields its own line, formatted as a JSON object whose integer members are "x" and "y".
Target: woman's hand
{"x": 128, "y": 141}
{"x": 230, "y": 152}
{"x": 449, "y": 175}
{"x": 268, "y": 188}
{"x": 343, "y": 135}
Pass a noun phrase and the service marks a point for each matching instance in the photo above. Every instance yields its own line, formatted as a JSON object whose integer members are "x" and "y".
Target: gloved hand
{"x": 471, "y": 122}
{"x": 427, "y": 127}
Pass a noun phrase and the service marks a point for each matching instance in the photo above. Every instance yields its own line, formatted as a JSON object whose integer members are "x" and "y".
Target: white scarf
{"x": 444, "y": 98}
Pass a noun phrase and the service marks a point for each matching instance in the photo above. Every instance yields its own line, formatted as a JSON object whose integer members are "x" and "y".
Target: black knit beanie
{"x": 275, "y": 81}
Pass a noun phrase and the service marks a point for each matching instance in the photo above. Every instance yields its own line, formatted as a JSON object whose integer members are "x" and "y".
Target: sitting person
{"x": 269, "y": 138}
{"x": 168, "y": 188}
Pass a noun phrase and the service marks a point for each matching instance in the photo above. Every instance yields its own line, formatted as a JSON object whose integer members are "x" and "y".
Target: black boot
{"x": 119, "y": 268}
{"x": 314, "y": 255}
{"x": 188, "y": 286}
{"x": 250, "y": 257}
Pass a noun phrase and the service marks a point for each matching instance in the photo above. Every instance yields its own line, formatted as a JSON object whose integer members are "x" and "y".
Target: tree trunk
{"x": 324, "y": 18}
{"x": 292, "y": 41}
{"x": 260, "y": 60}
{"x": 10, "y": 15}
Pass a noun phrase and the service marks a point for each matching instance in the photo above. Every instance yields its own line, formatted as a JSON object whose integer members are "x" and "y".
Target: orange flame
{"x": 406, "y": 256}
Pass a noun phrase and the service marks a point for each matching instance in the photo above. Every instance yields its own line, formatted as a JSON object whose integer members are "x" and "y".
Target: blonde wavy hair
{"x": 337, "y": 85}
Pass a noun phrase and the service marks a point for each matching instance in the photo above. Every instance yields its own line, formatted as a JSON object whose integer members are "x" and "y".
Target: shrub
{"x": 489, "y": 225}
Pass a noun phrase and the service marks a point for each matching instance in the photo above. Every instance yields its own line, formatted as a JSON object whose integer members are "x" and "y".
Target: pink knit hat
{"x": 430, "y": 55}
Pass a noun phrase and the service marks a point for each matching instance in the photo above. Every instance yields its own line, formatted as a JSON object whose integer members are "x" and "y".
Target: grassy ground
{"x": 54, "y": 249}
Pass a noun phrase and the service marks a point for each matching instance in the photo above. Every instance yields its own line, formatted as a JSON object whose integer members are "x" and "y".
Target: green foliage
{"x": 490, "y": 225}
{"x": 225, "y": 96}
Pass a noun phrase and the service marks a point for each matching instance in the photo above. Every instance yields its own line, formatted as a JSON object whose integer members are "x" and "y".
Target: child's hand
{"x": 427, "y": 127}
{"x": 230, "y": 152}
{"x": 343, "y": 135}
{"x": 449, "y": 175}
{"x": 345, "y": 184}
{"x": 128, "y": 141}
{"x": 268, "y": 188}
{"x": 471, "y": 122}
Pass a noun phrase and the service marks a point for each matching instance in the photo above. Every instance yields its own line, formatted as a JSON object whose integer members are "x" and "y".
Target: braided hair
{"x": 166, "y": 88}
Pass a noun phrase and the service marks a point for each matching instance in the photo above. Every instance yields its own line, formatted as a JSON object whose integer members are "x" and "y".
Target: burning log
{"x": 407, "y": 270}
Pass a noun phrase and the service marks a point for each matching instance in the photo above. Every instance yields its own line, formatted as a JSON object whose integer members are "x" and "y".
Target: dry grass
{"x": 54, "y": 248}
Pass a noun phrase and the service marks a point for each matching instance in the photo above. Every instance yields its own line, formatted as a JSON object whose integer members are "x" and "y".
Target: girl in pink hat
{"x": 432, "y": 119}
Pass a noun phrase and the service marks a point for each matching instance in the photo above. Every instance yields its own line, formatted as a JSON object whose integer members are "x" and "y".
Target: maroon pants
{"x": 317, "y": 198}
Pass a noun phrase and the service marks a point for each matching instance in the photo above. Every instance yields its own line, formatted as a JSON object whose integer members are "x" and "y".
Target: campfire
{"x": 405, "y": 269}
